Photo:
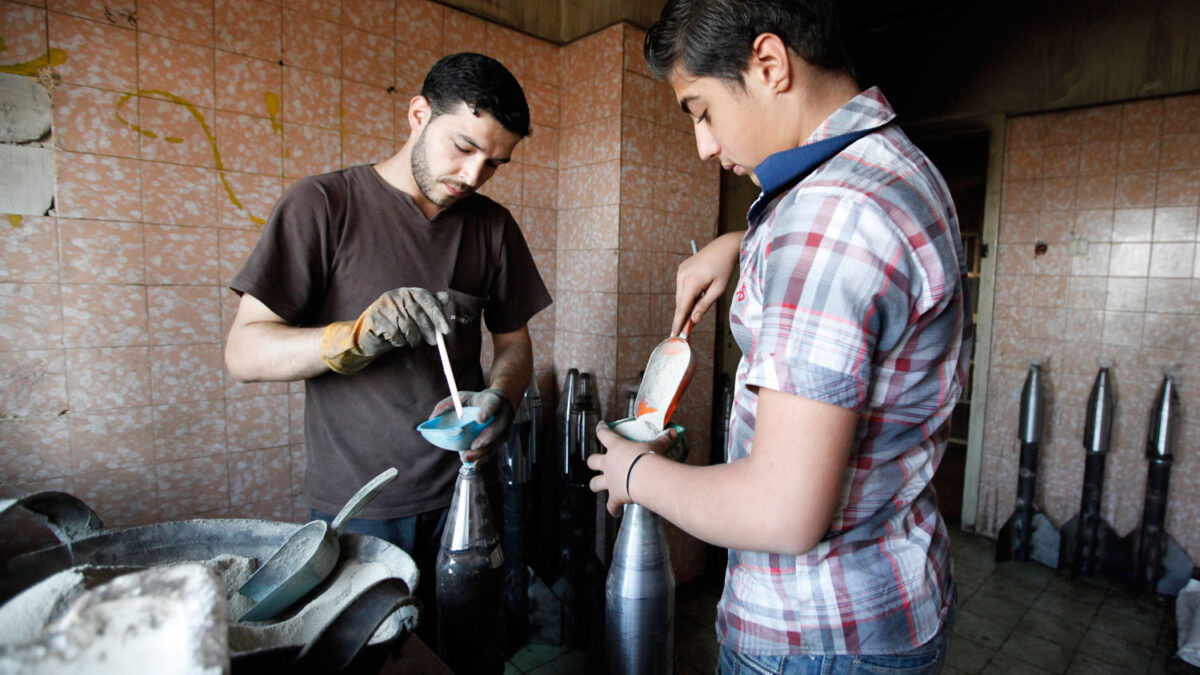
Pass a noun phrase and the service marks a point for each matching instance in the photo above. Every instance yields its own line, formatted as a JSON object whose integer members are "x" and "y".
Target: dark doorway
{"x": 962, "y": 157}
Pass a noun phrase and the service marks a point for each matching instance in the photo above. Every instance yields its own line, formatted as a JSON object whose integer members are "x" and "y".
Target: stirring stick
{"x": 441, "y": 345}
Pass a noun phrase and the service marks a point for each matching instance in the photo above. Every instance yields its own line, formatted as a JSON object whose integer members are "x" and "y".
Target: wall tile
{"x": 594, "y": 99}
{"x": 461, "y": 31}
{"x": 539, "y": 227}
{"x": 1123, "y": 328}
{"x": 419, "y": 24}
{"x": 249, "y": 28}
{"x": 249, "y": 144}
{"x": 104, "y": 316}
{"x": 589, "y": 228}
{"x": 245, "y": 200}
{"x": 1020, "y": 195}
{"x": 35, "y": 384}
{"x": 358, "y": 149}
{"x": 36, "y": 448}
{"x": 1060, "y": 160}
{"x": 1139, "y": 154}
{"x": 1023, "y": 163}
{"x": 186, "y": 20}
{"x": 248, "y": 85}
{"x": 376, "y": 16}
{"x": 412, "y": 63}
{"x": 1126, "y": 294}
{"x": 309, "y": 151}
{"x": 1132, "y": 224}
{"x": 1056, "y": 226}
{"x": 113, "y": 439}
{"x": 1136, "y": 189}
{"x": 29, "y": 250}
{"x": 1129, "y": 260}
{"x": 174, "y": 194}
{"x": 541, "y": 147}
{"x": 1181, "y": 114}
{"x": 540, "y": 187}
{"x": 193, "y": 486}
{"x": 367, "y": 57}
{"x": 584, "y": 312}
{"x": 176, "y": 67}
{"x": 123, "y": 498}
{"x": 260, "y": 475}
{"x": 543, "y": 62}
{"x": 1099, "y": 158}
{"x": 589, "y": 353}
{"x": 1095, "y": 192}
{"x": 1172, "y": 259}
{"x": 508, "y": 47}
{"x": 257, "y": 422}
{"x": 311, "y": 98}
{"x": 24, "y": 32}
{"x": 1180, "y": 151}
{"x": 184, "y": 314}
{"x": 329, "y": 10}
{"x": 235, "y": 247}
{"x": 177, "y": 132}
{"x": 1094, "y": 263}
{"x": 311, "y": 43}
{"x": 1175, "y": 224}
{"x": 296, "y": 420}
{"x": 506, "y": 185}
{"x": 368, "y": 109}
{"x": 84, "y": 122}
{"x": 1059, "y": 194}
{"x": 1094, "y": 224}
{"x": 600, "y": 53}
{"x": 184, "y": 373}
{"x": 545, "y": 104}
{"x": 195, "y": 429}
{"x": 1178, "y": 188}
{"x": 1165, "y": 331}
{"x": 587, "y": 270}
{"x": 1141, "y": 119}
{"x": 591, "y": 185}
{"x": 1171, "y": 296}
{"x": 93, "y": 186}
{"x": 98, "y": 54}
{"x": 117, "y": 377}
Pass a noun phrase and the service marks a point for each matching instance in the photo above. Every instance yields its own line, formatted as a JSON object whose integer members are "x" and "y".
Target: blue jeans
{"x": 927, "y": 658}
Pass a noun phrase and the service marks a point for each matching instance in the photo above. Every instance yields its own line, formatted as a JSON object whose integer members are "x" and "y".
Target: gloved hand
{"x": 401, "y": 317}
{"x": 492, "y": 403}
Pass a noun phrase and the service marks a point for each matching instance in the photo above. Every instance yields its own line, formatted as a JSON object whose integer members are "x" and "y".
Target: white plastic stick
{"x": 441, "y": 345}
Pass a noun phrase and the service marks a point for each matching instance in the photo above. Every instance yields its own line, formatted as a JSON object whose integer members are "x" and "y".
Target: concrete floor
{"x": 1013, "y": 618}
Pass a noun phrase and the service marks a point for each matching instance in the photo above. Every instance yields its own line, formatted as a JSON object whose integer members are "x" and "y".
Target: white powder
{"x": 169, "y": 619}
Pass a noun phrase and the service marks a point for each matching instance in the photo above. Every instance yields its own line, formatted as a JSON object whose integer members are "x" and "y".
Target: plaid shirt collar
{"x": 858, "y": 117}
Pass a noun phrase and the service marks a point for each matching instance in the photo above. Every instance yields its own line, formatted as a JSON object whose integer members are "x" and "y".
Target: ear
{"x": 770, "y": 63}
{"x": 419, "y": 113}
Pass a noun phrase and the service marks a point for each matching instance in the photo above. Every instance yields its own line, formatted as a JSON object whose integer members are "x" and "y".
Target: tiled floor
{"x": 1012, "y": 618}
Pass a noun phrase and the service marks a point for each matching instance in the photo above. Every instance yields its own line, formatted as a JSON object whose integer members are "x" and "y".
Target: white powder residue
{"x": 169, "y": 620}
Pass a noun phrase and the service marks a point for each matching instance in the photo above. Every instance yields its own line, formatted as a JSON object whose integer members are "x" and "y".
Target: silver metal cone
{"x": 1164, "y": 422}
{"x": 1097, "y": 429}
{"x": 640, "y": 597}
{"x": 1032, "y": 404}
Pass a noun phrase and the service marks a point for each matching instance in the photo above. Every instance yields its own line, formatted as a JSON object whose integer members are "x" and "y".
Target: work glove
{"x": 402, "y": 317}
{"x": 492, "y": 403}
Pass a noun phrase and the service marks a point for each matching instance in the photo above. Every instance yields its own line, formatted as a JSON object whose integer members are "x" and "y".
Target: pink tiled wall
{"x": 1125, "y": 180}
{"x": 180, "y": 122}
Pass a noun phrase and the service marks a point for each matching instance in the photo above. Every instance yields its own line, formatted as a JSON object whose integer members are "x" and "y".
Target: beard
{"x": 424, "y": 179}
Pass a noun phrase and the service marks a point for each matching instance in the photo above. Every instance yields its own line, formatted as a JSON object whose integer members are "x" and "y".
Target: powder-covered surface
{"x": 168, "y": 619}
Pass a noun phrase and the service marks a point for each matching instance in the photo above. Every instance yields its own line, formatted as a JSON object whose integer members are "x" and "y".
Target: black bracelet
{"x": 630, "y": 472}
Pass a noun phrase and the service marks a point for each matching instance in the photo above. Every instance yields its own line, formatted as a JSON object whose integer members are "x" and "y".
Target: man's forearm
{"x": 512, "y": 363}
{"x": 273, "y": 352}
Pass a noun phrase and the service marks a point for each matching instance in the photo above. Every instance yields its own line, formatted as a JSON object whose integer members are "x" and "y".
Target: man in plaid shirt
{"x": 853, "y": 321}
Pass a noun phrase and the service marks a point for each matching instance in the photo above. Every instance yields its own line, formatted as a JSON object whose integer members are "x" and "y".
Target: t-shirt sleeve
{"x": 288, "y": 267}
{"x": 834, "y": 284}
{"x": 518, "y": 292}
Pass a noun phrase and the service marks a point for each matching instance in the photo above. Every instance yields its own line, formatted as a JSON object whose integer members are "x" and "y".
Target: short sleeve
{"x": 517, "y": 292}
{"x": 832, "y": 285}
{"x": 288, "y": 269}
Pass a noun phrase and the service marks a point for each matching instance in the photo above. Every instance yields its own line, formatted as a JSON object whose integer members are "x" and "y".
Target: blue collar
{"x": 784, "y": 169}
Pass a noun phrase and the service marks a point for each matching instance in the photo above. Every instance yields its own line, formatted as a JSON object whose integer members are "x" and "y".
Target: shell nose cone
{"x": 1097, "y": 430}
{"x": 1032, "y": 404}
{"x": 1164, "y": 422}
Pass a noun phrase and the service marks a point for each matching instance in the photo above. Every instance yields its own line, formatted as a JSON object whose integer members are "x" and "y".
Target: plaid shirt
{"x": 852, "y": 292}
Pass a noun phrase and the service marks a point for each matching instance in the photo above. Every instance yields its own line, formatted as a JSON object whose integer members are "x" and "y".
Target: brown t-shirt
{"x": 332, "y": 245}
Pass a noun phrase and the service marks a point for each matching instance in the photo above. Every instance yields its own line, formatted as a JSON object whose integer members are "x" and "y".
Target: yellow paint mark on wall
{"x": 53, "y": 57}
{"x": 14, "y": 220}
{"x": 272, "y": 101}
{"x": 212, "y": 140}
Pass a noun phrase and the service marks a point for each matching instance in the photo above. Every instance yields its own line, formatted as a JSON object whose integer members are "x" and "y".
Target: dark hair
{"x": 483, "y": 83}
{"x": 714, "y": 38}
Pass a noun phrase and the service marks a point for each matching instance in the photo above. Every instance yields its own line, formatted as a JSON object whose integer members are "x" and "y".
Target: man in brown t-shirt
{"x": 356, "y": 270}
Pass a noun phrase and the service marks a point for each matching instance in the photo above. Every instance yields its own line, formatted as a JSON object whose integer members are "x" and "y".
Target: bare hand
{"x": 613, "y": 464}
{"x": 702, "y": 278}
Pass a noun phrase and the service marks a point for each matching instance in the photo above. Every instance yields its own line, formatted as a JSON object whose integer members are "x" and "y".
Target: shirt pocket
{"x": 464, "y": 312}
